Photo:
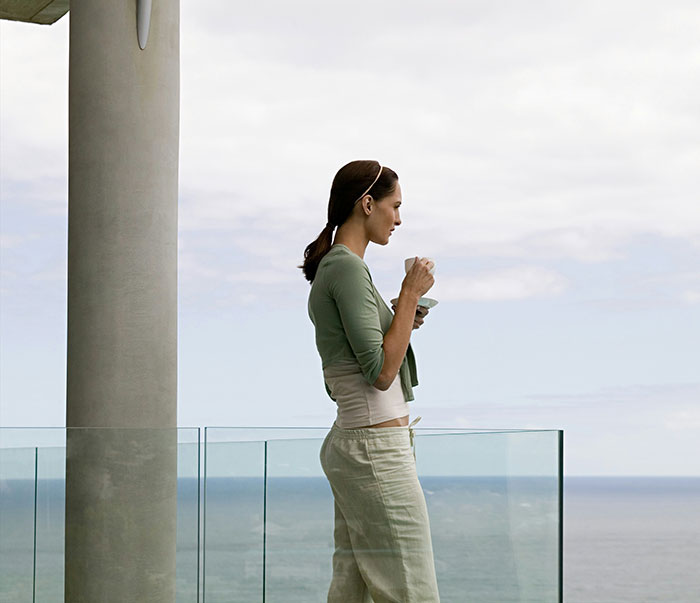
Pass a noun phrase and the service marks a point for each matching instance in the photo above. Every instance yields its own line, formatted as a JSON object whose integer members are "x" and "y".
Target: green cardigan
{"x": 351, "y": 318}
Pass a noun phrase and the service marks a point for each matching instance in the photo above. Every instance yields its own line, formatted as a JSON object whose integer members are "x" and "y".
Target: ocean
{"x": 632, "y": 539}
{"x": 626, "y": 540}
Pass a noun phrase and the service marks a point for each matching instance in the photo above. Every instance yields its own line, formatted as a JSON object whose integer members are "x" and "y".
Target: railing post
{"x": 561, "y": 515}
{"x": 264, "y": 531}
{"x": 36, "y": 501}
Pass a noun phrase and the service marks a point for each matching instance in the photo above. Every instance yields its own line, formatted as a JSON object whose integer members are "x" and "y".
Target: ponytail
{"x": 314, "y": 252}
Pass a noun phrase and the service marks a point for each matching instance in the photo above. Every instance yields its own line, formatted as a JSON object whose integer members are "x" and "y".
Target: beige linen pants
{"x": 382, "y": 534}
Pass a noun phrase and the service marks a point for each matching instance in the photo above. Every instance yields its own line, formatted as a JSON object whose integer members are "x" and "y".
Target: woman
{"x": 382, "y": 536}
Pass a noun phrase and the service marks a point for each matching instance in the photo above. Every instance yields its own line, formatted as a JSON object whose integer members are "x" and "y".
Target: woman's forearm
{"x": 397, "y": 338}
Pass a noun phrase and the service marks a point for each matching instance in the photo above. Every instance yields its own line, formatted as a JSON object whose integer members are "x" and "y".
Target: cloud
{"x": 567, "y": 126}
{"x": 692, "y": 297}
{"x": 263, "y": 277}
{"x": 34, "y": 100}
{"x": 655, "y": 397}
{"x": 689, "y": 283}
{"x": 681, "y": 284}
{"x": 10, "y": 241}
{"x": 567, "y": 138}
{"x": 510, "y": 284}
{"x": 621, "y": 410}
{"x": 683, "y": 419}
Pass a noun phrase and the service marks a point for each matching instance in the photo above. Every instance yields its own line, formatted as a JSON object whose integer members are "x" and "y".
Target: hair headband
{"x": 369, "y": 188}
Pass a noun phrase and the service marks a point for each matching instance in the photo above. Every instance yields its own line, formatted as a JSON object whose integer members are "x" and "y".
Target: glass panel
{"x": 120, "y": 482}
{"x": 50, "y": 524}
{"x": 188, "y": 512}
{"x": 299, "y": 523}
{"x": 17, "y": 483}
{"x": 493, "y": 501}
{"x": 233, "y": 518}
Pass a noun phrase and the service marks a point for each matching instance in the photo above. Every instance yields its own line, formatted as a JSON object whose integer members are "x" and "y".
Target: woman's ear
{"x": 367, "y": 204}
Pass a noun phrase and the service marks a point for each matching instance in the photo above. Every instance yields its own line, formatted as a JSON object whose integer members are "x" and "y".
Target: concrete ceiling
{"x": 44, "y": 12}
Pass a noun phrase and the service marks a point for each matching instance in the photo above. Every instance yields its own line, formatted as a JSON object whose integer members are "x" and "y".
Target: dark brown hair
{"x": 348, "y": 185}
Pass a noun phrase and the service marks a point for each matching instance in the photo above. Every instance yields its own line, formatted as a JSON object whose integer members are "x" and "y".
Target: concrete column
{"x": 122, "y": 303}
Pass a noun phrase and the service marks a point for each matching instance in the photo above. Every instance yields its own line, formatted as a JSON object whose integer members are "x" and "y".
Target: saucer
{"x": 425, "y": 302}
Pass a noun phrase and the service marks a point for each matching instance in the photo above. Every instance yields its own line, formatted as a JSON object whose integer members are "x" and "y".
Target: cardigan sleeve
{"x": 353, "y": 292}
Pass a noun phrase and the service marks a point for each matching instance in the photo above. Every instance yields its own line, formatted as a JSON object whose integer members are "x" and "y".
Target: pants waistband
{"x": 368, "y": 432}
{"x": 375, "y": 432}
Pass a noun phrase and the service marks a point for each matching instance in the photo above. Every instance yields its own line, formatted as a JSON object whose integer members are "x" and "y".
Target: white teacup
{"x": 408, "y": 262}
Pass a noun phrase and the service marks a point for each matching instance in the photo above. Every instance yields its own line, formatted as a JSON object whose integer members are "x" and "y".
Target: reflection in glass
{"x": 32, "y": 505}
{"x": 493, "y": 500}
{"x": 17, "y": 525}
{"x": 233, "y": 520}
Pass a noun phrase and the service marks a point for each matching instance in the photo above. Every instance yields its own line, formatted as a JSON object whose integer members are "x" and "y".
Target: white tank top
{"x": 359, "y": 403}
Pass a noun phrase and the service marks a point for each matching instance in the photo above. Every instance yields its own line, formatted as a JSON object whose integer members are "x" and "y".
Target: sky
{"x": 548, "y": 155}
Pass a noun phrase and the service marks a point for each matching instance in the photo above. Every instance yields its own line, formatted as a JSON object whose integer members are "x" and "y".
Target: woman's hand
{"x": 418, "y": 279}
{"x": 421, "y": 313}
{"x": 417, "y": 282}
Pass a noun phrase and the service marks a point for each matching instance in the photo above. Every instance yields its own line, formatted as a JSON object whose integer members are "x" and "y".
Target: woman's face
{"x": 384, "y": 217}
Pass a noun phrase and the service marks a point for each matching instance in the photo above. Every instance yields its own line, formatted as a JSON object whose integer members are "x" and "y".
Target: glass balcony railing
{"x": 266, "y": 529}
{"x": 115, "y": 495}
{"x": 494, "y": 500}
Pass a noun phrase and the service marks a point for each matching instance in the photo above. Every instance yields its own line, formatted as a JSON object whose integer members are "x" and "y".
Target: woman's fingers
{"x": 417, "y": 322}
{"x": 418, "y": 277}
